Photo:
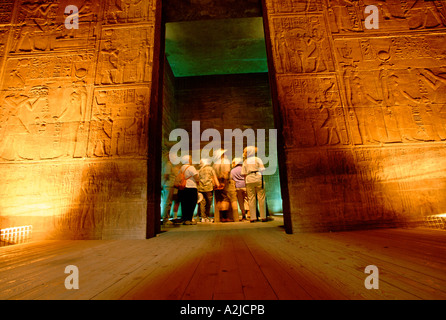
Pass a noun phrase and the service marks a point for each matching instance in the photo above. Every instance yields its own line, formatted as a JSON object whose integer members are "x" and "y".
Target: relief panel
{"x": 6, "y": 11}
{"x": 405, "y": 51}
{"x": 313, "y": 113}
{"x": 40, "y": 27}
{"x": 300, "y": 44}
{"x": 125, "y": 56}
{"x": 396, "y": 105}
{"x": 119, "y": 122}
{"x": 347, "y": 16}
{"x": 45, "y": 107}
{"x": 4, "y": 34}
{"x": 293, "y": 6}
{"x": 129, "y": 11}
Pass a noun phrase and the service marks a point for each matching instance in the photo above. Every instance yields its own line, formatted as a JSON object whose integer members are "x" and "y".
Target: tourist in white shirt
{"x": 251, "y": 169}
{"x": 189, "y": 195}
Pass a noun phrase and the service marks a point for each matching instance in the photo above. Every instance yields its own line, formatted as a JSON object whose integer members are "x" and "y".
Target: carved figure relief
{"x": 41, "y": 120}
{"x": 301, "y": 45}
{"x": 4, "y": 33}
{"x": 40, "y": 27}
{"x": 403, "y": 15}
{"x": 129, "y": 11}
{"x": 6, "y": 10}
{"x": 385, "y": 105}
{"x": 125, "y": 56}
{"x": 293, "y": 6}
{"x": 118, "y": 126}
{"x": 313, "y": 112}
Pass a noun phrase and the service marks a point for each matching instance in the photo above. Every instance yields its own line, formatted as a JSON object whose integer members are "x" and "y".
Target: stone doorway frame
{"x": 154, "y": 163}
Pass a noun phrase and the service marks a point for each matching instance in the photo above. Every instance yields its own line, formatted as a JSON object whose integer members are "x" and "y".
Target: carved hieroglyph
{"x": 6, "y": 11}
{"x": 119, "y": 123}
{"x": 125, "y": 56}
{"x": 45, "y": 107}
{"x": 40, "y": 26}
{"x": 300, "y": 44}
{"x": 397, "y": 15}
{"x": 129, "y": 11}
{"x": 313, "y": 115}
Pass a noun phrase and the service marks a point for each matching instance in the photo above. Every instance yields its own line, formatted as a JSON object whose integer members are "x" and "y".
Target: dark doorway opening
{"x": 215, "y": 72}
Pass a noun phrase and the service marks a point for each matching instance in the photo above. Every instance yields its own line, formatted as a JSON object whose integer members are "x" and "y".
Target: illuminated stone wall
{"x": 74, "y": 112}
{"x": 363, "y": 110}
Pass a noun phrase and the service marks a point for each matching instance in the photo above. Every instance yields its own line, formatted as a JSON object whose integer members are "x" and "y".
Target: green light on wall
{"x": 212, "y": 47}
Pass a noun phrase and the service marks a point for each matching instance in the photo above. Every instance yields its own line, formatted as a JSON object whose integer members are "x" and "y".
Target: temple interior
{"x": 345, "y": 101}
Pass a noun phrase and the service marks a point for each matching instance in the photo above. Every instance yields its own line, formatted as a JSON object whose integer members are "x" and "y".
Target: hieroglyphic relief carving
{"x": 400, "y": 104}
{"x": 40, "y": 27}
{"x": 44, "y": 107}
{"x": 349, "y": 16}
{"x": 129, "y": 11}
{"x": 119, "y": 123}
{"x": 313, "y": 112}
{"x": 125, "y": 56}
{"x": 403, "y": 51}
{"x": 293, "y": 6}
{"x": 301, "y": 44}
{"x": 4, "y": 33}
{"x": 6, "y": 11}
{"x": 425, "y": 14}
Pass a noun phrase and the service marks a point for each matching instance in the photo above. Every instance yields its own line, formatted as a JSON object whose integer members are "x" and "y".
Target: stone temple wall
{"x": 74, "y": 113}
{"x": 362, "y": 111}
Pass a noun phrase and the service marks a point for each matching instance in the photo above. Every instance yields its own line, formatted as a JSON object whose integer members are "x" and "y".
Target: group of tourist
{"x": 233, "y": 184}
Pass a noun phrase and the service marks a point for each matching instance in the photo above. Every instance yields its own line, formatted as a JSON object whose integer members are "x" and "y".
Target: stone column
{"x": 362, "y": 110}
{"x": 74, "y": 114}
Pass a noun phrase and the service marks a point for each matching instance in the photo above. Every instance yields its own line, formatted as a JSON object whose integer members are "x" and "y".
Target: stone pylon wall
{"x": 363, "y": 111}
{"x": 74, "y": 112}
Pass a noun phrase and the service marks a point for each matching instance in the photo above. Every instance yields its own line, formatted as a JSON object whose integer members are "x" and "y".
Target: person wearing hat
{"x": 251, "y": 169}
{"x": 240, "y": 186}
{"x": 207, "y": 181}
{"x": 189, "y": 195}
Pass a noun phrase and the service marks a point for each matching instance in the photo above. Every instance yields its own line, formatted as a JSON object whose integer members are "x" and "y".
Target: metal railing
{"x": 436, "y": 221}
{"x": 15, "y": 235}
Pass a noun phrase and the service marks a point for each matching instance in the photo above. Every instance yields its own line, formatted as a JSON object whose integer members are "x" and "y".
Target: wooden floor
{"x": 232, "y": 261}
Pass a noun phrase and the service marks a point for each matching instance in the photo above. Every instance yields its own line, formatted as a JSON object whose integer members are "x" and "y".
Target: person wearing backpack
{"x": 208, "y": 180}
{"x": 187, "y": 182}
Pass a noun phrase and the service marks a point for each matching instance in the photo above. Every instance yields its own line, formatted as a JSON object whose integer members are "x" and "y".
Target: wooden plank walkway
{"x": 232, "y": 261}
